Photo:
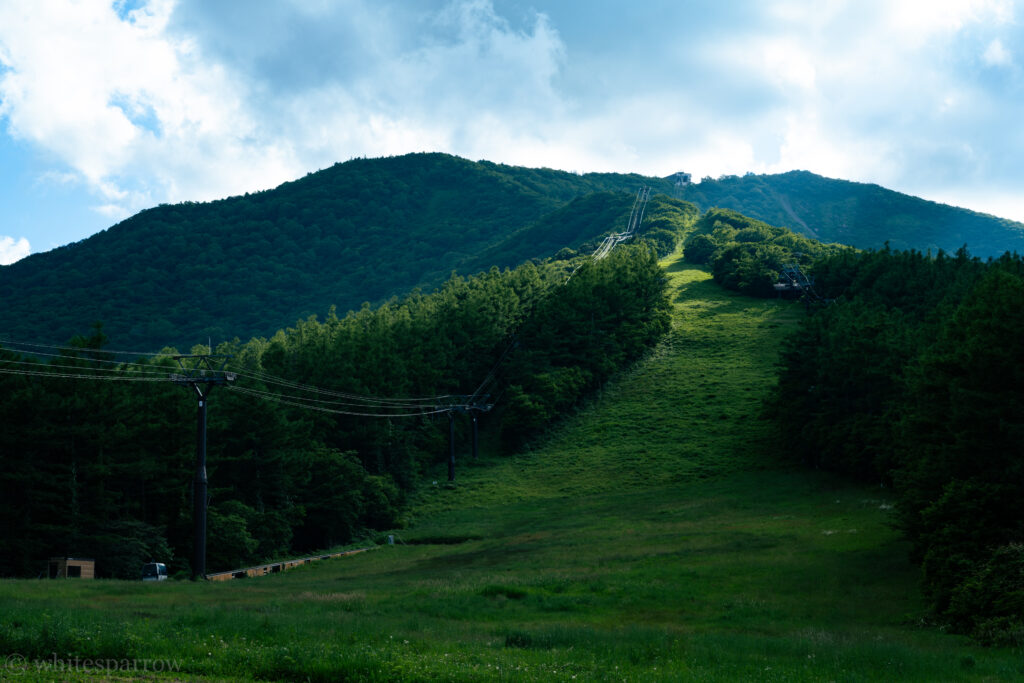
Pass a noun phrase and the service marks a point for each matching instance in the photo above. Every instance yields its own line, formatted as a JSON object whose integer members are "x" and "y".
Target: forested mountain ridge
{"x": 363, "y": 230}
{"x": 371, "y": 229}
{"x": 858, "y": 214}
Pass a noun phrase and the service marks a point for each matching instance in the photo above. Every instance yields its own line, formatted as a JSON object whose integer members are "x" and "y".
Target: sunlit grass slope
{"x": 655, "y": 535}
{"x": 689, "y": 411}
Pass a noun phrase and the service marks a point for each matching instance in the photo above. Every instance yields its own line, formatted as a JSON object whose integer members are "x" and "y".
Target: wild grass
{"x": 654, "y": 535}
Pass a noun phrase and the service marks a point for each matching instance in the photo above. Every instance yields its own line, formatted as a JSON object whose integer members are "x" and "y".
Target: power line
{"x": 7, "y": 340}
{"x": 633, "y": 223}
{"x": 148, "y": 371}
{"x": 385, "y": 406}
{"x": 308, "y": 400}
{"x": 492, "y": 373}
{"x": 280, "y": 381}
{"x": 34, "y": 369}
{"x": 101, "y": 361}
{"x": 57, "y": 375}
{"x": 160, "y": 374}
{"x": 152, "y": 373}
{"x": 636, "y": 217}
{"x": 292, "y": 401}
{"x": 199, "y": 373}
{"x": 473, "y": 403}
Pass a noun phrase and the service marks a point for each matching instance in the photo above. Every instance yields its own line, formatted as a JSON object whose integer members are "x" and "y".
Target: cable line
{"x": 350, "y": 403}
{"x": 280, "y": 381}
{"x": 636, "y": 217}
{"x": 277, "y": 398}
{"x": 385, "y": 406}
{"x": 105, "y": 361}
{"x": 3, "y": 363}
{"x": 57, "y": 375}
{"x": 7, "y": 340}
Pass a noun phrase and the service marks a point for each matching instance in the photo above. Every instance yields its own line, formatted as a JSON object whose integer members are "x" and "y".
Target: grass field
{"x": 654, "y": 535}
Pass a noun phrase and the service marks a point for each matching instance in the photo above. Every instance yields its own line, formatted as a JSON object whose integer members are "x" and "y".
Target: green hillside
{"x": 364, "y": 230}
{"x": 324, "y": 430}
{"x": 370, "y": 229}
{"x": 657, "y": 535}
{"x": 857, "y": 214}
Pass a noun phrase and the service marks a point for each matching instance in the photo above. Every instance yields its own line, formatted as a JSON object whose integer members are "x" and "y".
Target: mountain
{"x": 364, "y": 230}
{"x": 857, "y": 214}
{"x": 370, "y": 229}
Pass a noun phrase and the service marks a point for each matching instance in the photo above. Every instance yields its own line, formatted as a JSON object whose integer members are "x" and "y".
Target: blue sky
{"x": 107, "y": 108}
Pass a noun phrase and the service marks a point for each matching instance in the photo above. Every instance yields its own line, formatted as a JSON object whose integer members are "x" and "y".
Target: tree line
{"x": 103, "y": 468}
{"x": 913, "y": 379}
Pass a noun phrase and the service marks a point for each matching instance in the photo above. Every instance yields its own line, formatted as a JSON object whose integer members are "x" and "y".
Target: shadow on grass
{"x": 681, "y": 265}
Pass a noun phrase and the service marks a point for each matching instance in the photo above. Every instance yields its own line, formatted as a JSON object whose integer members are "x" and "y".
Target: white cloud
{"x": 996, "y": 54}
{"x": 920, "y": 20}
{"x": 788, "y": 64}
{"x": 112, "y": 211}
{"x": 884, "y": 92}
{"x": 144, "y": 115}
{"x": 117, "y": 99}
{"x": 55, "y": 177}
{"x": 12, "y": 250}
{"x": 185, "y": 99}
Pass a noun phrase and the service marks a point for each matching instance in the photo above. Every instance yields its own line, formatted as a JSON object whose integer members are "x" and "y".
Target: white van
{"x": 154, "y": 571}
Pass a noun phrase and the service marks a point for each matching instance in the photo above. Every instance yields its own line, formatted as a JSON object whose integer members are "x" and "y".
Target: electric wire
{"x": 280, "y": 381}
{"x": 149, "y": 373}
{"x": 57, "y": 375}
{"x": 491, "y": 374}
{"x": 4, "y": 363}
{"x": 272, "y": 379}
{"x": 104, "y": 361}
{"x": 348, "y": 403}
{"x": 149, "y": 369}
{"x": 633, "y": 223}
{"x": 7, "y": 340}
{"x": 636, "y": 215}
{"x": 277, "y": 398}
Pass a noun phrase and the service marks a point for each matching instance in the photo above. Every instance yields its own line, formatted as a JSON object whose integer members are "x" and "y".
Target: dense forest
{"x": 99, "y": 450}
{"x": 912, "y": 379}
{"x": 364, "y": 230}
{"x": 369, "y": 229}
{"x": 858, "y": 214}
{"x": 748, "y": 255}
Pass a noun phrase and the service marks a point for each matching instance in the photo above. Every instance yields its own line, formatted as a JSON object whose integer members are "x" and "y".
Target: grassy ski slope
{"x": 655, "y": 535}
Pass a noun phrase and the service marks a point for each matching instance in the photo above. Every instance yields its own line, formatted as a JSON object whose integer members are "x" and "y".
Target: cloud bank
{"x": 170, "y": 100}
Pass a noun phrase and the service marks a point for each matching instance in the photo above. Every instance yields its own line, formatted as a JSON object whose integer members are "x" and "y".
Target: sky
{"x": 108, "y": 108}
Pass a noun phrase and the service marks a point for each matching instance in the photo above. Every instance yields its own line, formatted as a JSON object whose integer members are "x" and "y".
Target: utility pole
{"x": 451, "y": 445}
{"x": 202, "y": 375}
{"x": 474, "y": 408}
{"x": 469, "y": 405}
{"x": 476, "y": 435}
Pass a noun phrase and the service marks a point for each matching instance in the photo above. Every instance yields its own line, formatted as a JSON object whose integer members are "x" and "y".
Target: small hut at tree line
{"x": 72, "y": 568}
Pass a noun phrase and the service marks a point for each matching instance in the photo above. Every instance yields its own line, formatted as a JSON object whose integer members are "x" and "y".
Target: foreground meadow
{"x": 655, "y": 535}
